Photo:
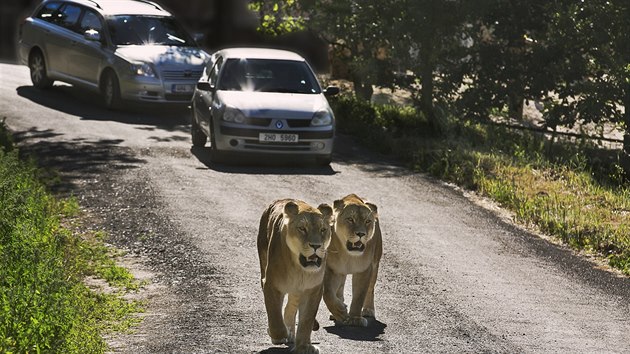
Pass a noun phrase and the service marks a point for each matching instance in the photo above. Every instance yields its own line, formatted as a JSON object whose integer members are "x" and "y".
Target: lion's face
{"x": 308, "y": 234}
{"x": 355, "y": 222}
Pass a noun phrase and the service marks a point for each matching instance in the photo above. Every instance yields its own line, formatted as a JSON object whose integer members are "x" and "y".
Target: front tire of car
{"x": 199, "y": 138}
{"x": 110, "y": 89}
{"x": 37, "y": 66}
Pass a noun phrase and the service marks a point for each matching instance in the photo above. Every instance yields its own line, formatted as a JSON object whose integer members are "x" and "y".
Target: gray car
{"x": 125, "y": 49}
{"x": 259, "y": 102}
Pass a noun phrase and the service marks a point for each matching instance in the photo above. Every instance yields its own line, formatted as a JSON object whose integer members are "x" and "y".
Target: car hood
{"x": 274, "y": 105}
{"x": 162, "y": 55}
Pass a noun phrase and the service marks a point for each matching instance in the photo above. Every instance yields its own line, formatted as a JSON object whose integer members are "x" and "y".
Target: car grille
{"x": 178, "y": 97}
{"x": 259, "y": 122}
{"x": 255, "y": 145}
{"x": 181, "y": 74}
{"x": 299, "y": 123}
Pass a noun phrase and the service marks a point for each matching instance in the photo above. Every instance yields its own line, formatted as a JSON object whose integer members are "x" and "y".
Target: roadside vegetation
{"x": 571, "y": 190}
{"x": 45, "y": 256}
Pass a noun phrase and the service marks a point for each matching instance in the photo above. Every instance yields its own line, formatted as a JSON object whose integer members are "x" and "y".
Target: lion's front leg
{"x": 332, "y": 283}
{"x": 289, "y": 315}
{"x": 276, "y": 327}
{"x": 360, "y": 286}
{"x": 368, "y": 306}
{"x": 308, "y": 306}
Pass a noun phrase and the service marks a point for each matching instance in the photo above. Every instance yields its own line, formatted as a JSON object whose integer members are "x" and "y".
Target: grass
{"x": 566, "y": 190}
{"x": 45, "y": 305}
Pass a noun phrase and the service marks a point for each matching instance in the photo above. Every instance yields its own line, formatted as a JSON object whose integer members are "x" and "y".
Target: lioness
{"x": 356, "y": 249}
{"x": 292, "y": 242}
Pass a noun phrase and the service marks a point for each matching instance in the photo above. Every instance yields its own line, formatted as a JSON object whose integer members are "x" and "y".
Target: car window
{"x": 90, "y": 21}
{"x": 49, "y": 11}
{"x": 268, "y": 75}
{"x": 68, "y": 16}
{"x": 214, "y": 73}
{"x": 147, "y": 30}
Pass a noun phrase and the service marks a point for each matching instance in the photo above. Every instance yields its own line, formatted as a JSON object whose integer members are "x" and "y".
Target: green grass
{"x": 566, "y": 190}
{"x": 44, "y": 304}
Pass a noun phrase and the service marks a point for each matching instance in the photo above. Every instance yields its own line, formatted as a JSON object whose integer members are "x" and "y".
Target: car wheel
{"x": 37, "y": 66}
{"x": 199, "y": 138}
{"x": 111, "y": 91}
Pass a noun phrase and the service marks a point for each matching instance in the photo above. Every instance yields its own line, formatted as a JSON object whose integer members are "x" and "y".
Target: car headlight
{"x": 143, "y": 69}
{"x": 232, "y": 114}
{"x": 321, "y": 118}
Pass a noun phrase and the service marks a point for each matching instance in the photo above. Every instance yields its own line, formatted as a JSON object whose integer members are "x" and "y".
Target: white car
{"x": 125, "y": 49}
{"x": 262, "y": 101}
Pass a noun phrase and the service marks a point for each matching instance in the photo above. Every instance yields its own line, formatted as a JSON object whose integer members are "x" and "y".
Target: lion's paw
{"x": 356, "y": 321}
{"x": 306, "y": 349}
{"x": 283, "y": 338}
{"x": 371, "y": 313}
{"x": 291, "y": 338}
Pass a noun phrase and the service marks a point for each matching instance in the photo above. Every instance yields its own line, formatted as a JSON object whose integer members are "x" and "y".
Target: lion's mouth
{"x": 311, "y": 261}
{"x": 357, "y": 246}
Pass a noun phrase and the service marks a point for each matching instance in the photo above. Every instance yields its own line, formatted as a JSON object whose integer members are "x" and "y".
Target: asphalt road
{"x": 455, "y": 277}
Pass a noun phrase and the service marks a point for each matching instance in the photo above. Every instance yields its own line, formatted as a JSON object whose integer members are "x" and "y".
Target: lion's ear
{"x": 338, "y": 204}
{"x": 291, "y": 209}
{"x": 326, "y": 210}
{"x": 373, "y": 208}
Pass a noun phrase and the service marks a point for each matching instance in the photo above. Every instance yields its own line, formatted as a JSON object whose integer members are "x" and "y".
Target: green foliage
{"x": 278, "y": 17}
{"x": 44, "y": 305}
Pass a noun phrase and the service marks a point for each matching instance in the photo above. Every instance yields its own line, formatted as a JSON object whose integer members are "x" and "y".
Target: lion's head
{"x": 355, "y": 221}
{"x": 308, "y": 233}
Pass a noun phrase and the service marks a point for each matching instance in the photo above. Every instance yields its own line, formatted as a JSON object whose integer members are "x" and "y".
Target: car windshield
{"x": 147, "y": 30}
{"x": 268, "y": 75}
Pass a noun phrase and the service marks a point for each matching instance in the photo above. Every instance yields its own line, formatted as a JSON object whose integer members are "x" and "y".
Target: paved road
{"x": 454, "y": 276}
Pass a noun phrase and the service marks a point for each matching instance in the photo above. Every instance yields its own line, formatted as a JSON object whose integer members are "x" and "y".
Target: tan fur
{"x": 355, "y": 220}
{"x": 289, "y": 229}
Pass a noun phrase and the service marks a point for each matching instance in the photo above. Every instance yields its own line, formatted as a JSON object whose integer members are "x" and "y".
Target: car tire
{"x": 110, "y": 89}
{"x": 37, "y": 66}
{"x": 199, "y": 138}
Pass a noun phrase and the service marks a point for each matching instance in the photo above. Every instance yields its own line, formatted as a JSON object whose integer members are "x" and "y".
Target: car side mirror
{"x": 331, "y": 91}
{"x": 92, "y": 35}
{"x": 205, "y": 86}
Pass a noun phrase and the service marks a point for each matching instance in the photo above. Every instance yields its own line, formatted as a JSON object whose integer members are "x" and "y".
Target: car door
{"x": 86, "y": 55}
{"x": 60, "y": 37}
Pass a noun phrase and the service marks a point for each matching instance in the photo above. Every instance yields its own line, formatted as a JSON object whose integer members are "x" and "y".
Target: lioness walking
{"x": 292, "y": 242}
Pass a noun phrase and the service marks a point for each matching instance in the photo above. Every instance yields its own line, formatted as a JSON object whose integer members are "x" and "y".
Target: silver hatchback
{"x": 260, "y": 102}
{"x": 125, "y": 49}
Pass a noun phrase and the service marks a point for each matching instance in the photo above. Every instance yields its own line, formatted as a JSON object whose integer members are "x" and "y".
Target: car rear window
{"x": 49, "y": 11}
{"x": 268, "y": 75}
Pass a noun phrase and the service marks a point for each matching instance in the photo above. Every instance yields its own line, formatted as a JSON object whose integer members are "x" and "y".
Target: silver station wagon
{"x": 125, "y": 49}
{"x": 262, "y": 102}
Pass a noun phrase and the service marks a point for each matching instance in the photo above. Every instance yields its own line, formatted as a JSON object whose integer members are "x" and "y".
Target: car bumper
{"x": 153, "y": 90}
{"x": 244, "y": 140}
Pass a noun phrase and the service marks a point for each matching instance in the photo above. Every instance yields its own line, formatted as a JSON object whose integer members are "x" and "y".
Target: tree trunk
{"x": 625, "y": 153}
{"x": 361, "y": 89}
{"x": 426, "y": 90}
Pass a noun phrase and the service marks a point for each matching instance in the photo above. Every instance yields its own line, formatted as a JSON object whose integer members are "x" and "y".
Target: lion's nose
{"x": 315, "y": 247}
{"x": 360, "y": 234}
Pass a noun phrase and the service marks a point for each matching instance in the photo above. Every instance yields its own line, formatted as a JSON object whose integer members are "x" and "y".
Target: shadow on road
{"x": 370, "y": 333}
{"x": 275, "y": 350}
{"x": 77, "y": 161}
{"x": 260, "y": 166}
{"x": 87, "y": 105}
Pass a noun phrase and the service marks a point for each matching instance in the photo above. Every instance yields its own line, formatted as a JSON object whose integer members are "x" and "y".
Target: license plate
{"x": 277, "y": 138}
{"x": 183, "y": 88}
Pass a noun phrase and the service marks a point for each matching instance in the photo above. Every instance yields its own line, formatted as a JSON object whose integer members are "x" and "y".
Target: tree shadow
{"x": 86, "y": 105}
{"x": 79, "y": 161}
{"x": 370, "y": 333}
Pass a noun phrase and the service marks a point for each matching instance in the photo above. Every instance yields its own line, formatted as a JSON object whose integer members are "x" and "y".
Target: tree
{"x": 359, "y": 33}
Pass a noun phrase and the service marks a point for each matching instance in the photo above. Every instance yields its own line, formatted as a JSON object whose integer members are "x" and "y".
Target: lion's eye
{"x": 323, "y": 230}
{"x": 368, "y": 221}
{"x": 302, "y": 229}
{"x": 350, "y": 220}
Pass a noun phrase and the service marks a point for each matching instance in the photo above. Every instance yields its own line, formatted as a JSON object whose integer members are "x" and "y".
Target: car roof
{"x": 259, "y": 53}
{"x": 123, "y": 7}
